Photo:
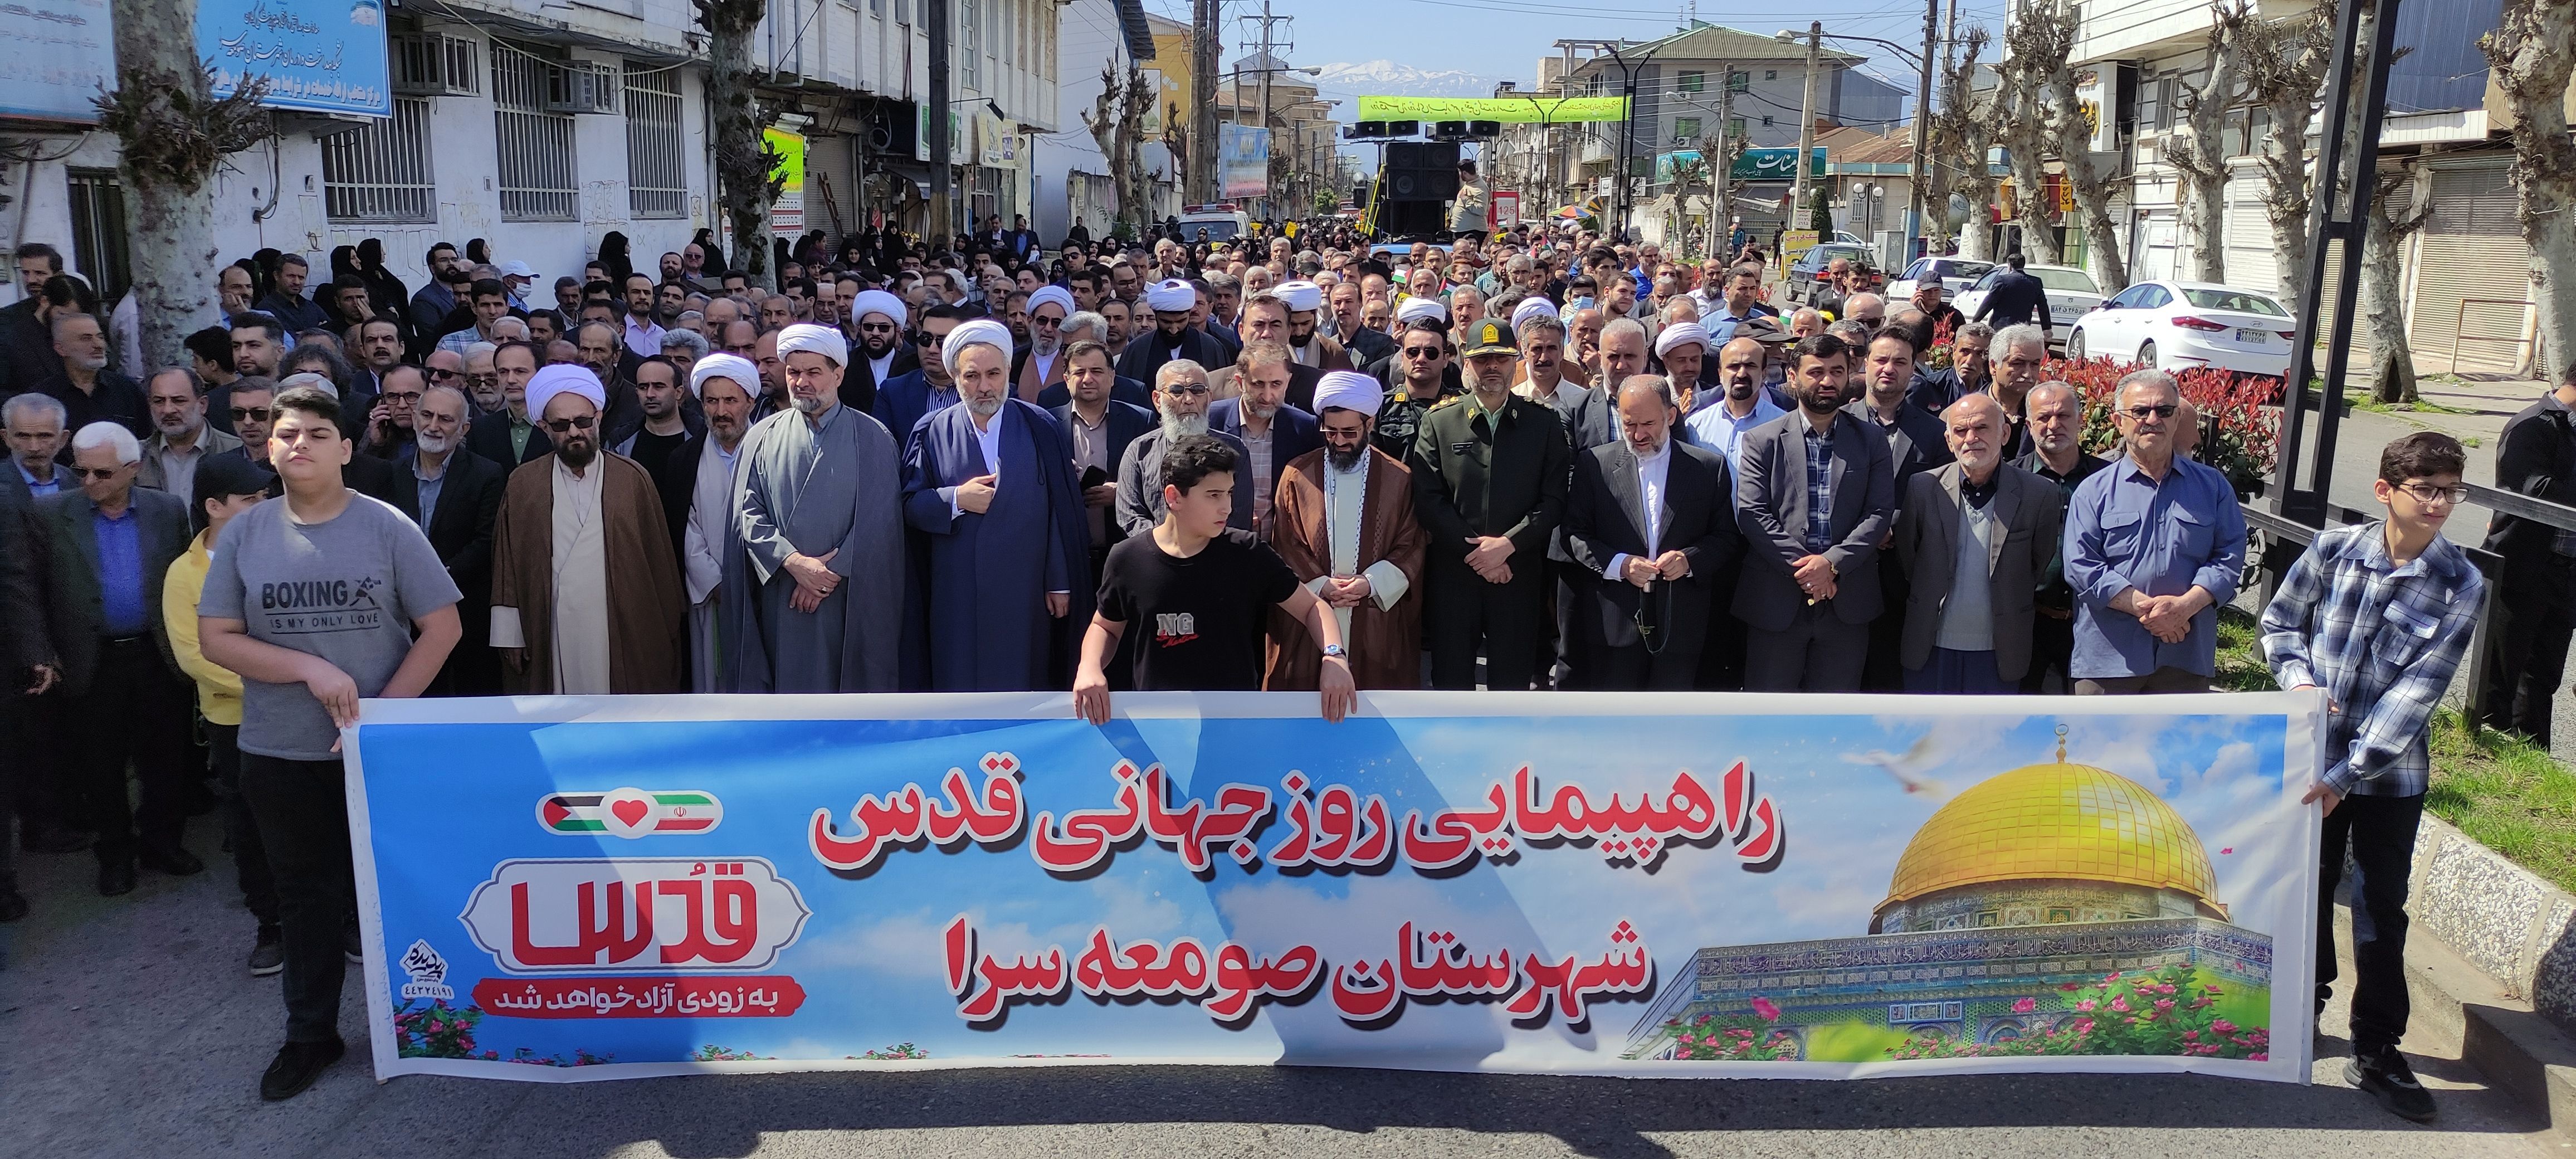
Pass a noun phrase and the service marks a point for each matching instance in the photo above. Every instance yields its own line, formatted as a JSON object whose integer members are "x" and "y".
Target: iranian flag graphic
{"x": 630, "y": 813}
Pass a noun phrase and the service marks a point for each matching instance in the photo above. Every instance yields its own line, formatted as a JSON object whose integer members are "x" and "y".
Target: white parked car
{"x": 1956, "y": 274}
{"x": 2071, "y": 292}
{"x": 2185, "y": 325}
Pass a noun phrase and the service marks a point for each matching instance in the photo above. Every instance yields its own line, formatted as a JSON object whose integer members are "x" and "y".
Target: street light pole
{"x": 1807, "y": 121}
{"x": 1921, "y": 168}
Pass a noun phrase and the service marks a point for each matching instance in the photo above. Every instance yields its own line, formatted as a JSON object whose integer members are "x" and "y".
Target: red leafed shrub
{"x": 2249, "y": 425}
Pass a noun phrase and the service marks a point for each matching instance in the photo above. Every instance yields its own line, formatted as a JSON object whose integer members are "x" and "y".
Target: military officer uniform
{"x": 1479, "y": 472}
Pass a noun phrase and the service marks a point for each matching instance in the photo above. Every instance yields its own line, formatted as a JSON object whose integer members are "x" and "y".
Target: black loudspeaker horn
{"x": 1365, "y": 130}
{"x": 1403, "y": 128}
{"x": 1484, "y": 128}
{"x": 1451, "y": 129}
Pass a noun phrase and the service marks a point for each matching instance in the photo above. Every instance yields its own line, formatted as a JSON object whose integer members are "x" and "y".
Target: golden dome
{"x": 2055, "y": 821}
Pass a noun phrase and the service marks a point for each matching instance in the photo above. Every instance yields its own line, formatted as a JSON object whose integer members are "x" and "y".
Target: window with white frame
{"x": 656, "y": 180}
{"x": 970, "y": 44}
{"x": 538, "y": 181}
{"x": 380, "y": 172}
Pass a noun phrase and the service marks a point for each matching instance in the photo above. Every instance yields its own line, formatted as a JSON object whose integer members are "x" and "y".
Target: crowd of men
{"x": 1516, "y": 464}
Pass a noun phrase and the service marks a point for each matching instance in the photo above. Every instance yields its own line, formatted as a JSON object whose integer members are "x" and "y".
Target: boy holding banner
{"x": 1204, "y": 590}
{"x": 314, "y": 599}
{"x": 2378, "y": 615}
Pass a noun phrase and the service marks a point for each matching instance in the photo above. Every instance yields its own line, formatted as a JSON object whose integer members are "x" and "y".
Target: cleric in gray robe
{"x": 817, "y": 510}
{"x": 699, "y": 480}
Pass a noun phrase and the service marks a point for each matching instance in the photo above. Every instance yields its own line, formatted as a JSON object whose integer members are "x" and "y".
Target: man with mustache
{"x": 883, "y": 355}
{"x": 818, "y": 578}
{"x": 586, "y": 595}
{"x": 1814, "y": 500}
{"x": 458, "y": 498}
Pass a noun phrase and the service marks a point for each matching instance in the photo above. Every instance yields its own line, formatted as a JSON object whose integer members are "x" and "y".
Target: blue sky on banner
{"x": 1847, "y": 822}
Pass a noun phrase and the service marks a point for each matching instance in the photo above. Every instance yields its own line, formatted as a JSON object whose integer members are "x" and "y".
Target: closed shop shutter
{"x": 2252, "y": 262}
{"x": 2470, "y": 261}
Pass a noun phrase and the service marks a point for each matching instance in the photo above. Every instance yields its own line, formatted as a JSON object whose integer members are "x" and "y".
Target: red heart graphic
{"x": 631, "y": 811}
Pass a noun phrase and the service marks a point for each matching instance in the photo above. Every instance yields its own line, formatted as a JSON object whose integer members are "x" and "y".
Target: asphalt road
{"x": 129, "y": 1028}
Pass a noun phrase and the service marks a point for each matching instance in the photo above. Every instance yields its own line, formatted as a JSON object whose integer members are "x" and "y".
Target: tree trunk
{"x": 2284, "y": 64}
{"x": 744, "y": 163}
{"x": 2044, "y": 35}
{"x": 170, "y": 211}
{"x": 2198, "y": 148}
{"x": 2533, "y": 51}
{"x": 2027, "y": 145}
{"x": 2383, "y": 299}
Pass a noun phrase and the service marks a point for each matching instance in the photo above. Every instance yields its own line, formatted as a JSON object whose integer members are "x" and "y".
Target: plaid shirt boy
{"x": 2382, "y": 641}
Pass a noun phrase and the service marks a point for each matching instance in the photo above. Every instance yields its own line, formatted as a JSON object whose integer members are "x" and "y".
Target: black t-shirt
{"x": 1196, "y": 624}
{"x": 652, "y": 450}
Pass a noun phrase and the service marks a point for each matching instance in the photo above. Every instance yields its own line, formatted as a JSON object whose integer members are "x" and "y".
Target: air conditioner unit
{"x": 581, "y": 86}
{"x": 430, "y": 64}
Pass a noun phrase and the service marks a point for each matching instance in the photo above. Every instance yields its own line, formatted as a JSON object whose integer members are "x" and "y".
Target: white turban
{"x": 1171, "y": 295}
{"x": 1532, "y": 307}
{"x": 1348, "y": 390}
{"x": 1058, "y": 295}
{"x": 1303, "y": 297}
{"x": 727, "y": 366}
{"x": 813, "y": 339}
{"x": 563, "y": 378}
{"x": 1681, "y": 334}
{"x": 880, "y": 302}
{"x": 1413, "y": 309}
{"x": 979, "y": 332}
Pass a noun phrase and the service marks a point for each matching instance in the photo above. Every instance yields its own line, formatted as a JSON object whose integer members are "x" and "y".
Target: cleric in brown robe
{"x": 586, "y": 591}
{"x": 1342, "y": 517}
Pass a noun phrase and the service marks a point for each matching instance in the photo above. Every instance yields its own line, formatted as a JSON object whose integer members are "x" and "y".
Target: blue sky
{"x": 870, "y": 957}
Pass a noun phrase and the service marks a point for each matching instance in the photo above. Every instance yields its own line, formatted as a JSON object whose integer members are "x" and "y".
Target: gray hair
{"x": 1220, "y": 280}
{"x": 462, "y": 399}
{"x": 1176, "y": 370}
{"x": 1088, "y": 321}
{"x": 1466, "y": 288}
{"x": 1543, "y": 324}
{"x": 196, "y": 384}
{"x": 1660, "y": 386}
{"x": 2148, "y": 377}
{"x": 1621, "y": 326}
{"x": 2012, "y": 338}
{"x": 320, "y": 382}
{"x": 45, "y": 405}
{"x": 2030, "y": 401}
{"x": 1980, "y": 398}
{"x": 1975, "y": 330}
{"x": 696, "y": 342}
{"x": 105, "y": 433}
{"x": 1856, "y": 333}
{"x": 486, "y": 349}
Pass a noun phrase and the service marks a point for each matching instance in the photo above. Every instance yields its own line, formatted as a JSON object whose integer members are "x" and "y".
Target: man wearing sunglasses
{"x": 882, "y": 354}
{"x": 903, "y": 400}
{"x": 1040, "y": 362}
{"x": 2154, "y": 543}
{"x": 586, "y": 592}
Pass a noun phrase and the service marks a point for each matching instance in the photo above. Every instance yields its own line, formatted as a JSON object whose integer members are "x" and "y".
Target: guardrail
{"x": 2460, "y": 322}
{"x": 2289, "y": 537}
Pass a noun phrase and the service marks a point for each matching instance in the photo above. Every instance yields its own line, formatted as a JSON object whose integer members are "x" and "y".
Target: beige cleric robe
{"x": 637, "y": 599}
{"x": 1384, "y": 632}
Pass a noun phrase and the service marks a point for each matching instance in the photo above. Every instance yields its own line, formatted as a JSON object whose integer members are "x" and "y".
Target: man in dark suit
{"x": 456, "y": 495}
{"x": 496, "y": 435}
{"x": 25, "y": 665}
{"x": 1915, "y": 443}
{"x": 1100, "y": 429}
{"x": 2535, "y": 593}
{"x": 1652, "y": 517}
{"x": 1265, "y": 319}
{"x": 109, "y": 544}
{"x": 904, "y": 400}
{"x": 882, "y": 353}
{"x": 1974, "y": 538}
{"x": 1275, "y": 432}
{"x": 2015, "y": 298}
{"x": 1814, "y": 501}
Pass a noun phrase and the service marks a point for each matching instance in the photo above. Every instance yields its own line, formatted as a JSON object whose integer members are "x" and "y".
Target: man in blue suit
{"x": 904, "y": 399}
{"x": 1275, "y": 433}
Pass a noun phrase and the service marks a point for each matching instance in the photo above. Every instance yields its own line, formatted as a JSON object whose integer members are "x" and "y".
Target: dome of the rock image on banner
{"x": 2018, "y": 908}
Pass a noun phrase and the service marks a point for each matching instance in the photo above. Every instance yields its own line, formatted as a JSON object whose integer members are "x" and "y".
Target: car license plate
{"x": 2257, "y": 337}
{"x": 2063, "y": 313}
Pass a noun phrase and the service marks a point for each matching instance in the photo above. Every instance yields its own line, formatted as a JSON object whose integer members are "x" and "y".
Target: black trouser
{"x": 2052, "y": 649}
{"x": 250, "y": 857}
{"x": 2535, "y": 613}
{"x": 1572, "y": 666}
{"x": 1721, "y": 655}
{"x": 134, "y": 710}
{"x": 2380, "y": 832}
{"x": 303, "y": 818}
{"x": 1884, "y": 670}
{"x": 45, "y": 801}
{"x": 1817, "y": 652}
{"x": 1462, "y": 610}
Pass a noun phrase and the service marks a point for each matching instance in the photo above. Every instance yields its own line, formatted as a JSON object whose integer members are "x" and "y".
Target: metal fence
{"x": 538, "y": 181}
{"x": 656, "y": 176}
{"x": 380, "y": 172}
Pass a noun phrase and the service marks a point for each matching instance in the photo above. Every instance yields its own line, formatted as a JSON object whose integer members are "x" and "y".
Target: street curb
{"x": 2497, "y": 968}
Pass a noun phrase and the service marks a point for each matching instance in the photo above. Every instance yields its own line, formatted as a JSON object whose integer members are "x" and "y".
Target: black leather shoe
{"x": 296, "y": 1066}
{"x": 55, "y": 841}
{"x": 13, "y": 905}
{"x": 116, "y": 880}
{"x": 174, "y": 860}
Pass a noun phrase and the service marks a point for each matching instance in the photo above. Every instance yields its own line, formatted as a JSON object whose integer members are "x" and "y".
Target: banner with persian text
{"x": 1673, "y": 885}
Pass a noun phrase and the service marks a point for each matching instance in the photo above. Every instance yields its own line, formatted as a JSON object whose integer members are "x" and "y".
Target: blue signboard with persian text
{"x": 319, "y": 56}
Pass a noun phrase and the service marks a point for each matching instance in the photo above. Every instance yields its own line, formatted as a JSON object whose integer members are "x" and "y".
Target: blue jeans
{"x": 2380, "y": 832}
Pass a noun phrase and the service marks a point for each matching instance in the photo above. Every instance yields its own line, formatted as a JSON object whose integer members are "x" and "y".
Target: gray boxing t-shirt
{"x": 345, "y": 590}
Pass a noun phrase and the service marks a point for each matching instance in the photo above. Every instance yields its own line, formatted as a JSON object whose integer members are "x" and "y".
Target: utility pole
{"x": 1920, "y": 171}
{"x": 1201, "y": 186}
{"x": 1264, "y": 47}
{"x": 1720, "y": 168}
{"x": 1807, "y": 123}
{"x": 934, "y": 13}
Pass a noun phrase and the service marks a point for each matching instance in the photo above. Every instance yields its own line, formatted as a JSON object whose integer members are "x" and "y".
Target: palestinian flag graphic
{"x": 630, "y": 813}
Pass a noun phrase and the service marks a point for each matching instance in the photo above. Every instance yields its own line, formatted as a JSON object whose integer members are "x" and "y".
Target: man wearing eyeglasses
{"x": 2154, "y": 543}
{"x": 586, "y": 591}
{"x": 2378, "y": 616}
{"x": 109, "y": 545}
{"x": 1181, "y": 397}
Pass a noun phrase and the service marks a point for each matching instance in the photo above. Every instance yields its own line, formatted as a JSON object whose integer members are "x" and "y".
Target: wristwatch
{"x": 1337, "y": 651}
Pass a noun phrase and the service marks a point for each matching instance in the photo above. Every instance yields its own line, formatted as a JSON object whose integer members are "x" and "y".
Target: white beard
{"x": 1183, "y": 426}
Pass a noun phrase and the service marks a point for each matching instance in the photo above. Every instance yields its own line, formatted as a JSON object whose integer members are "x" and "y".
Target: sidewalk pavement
{"x": 128, "y": 1026}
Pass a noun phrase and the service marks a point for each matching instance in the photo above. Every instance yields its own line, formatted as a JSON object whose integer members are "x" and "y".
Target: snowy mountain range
{"x": 1386, "y": 78}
